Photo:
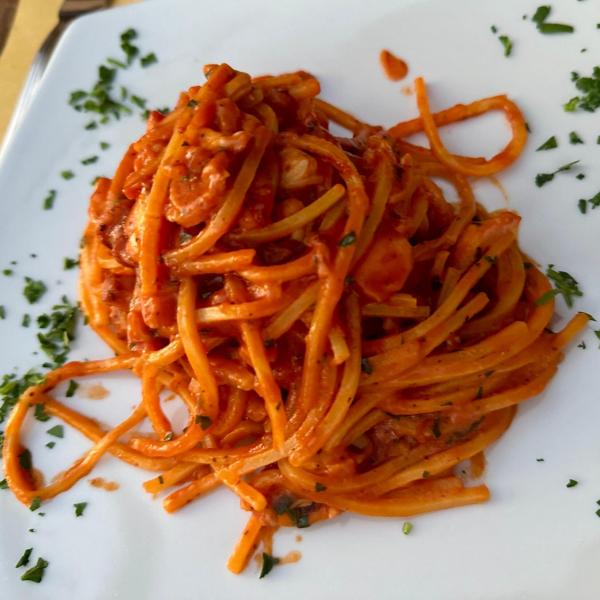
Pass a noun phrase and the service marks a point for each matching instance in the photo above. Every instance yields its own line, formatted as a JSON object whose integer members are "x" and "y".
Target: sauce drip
{"x": 394, "y": 68}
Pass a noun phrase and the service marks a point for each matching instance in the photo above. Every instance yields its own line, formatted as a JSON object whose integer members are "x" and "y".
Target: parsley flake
{"x": 572, "y": 483}
{"x": 347, "y": 240}
{"x": 507, "y": 44}
{"x": 36, "y": 573}
{"x": 268, "y": 562}
{"x": 49, "y": 200}
{"x": 35, "y": 504}
{"x": 574, "y": 138}
{"x": 24, "y": 560}
{"x": 543, "y": 178}
{"x": 407, "y": 527}
{"x": 148, "y": 60}
{"x": 67, "y": 175}
{"x": 71, "y": 389}
{"x": 79, "y": 508}
{"x": 57, "y": 431}
{"x": 549, "y": 144}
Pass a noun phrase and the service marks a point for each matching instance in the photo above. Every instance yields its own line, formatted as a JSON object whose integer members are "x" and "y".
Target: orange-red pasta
{"x": 340, "y": 334}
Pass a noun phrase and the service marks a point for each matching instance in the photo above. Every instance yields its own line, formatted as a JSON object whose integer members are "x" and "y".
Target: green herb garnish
{"x": 79, "y": 508}
{"x": 67, "y": 174}
{"x": 366, "y": 366}
{"x": 104, "y": 145}
{"x": 204, "y": 421}
{"x": 50, "y": 445}
{"x": 70, "y": 263}
{"x": 2, "y": 312}
{"x": 49, "y": 200}
{"x": 507, "y": 44}
{"x": 71, "y": 389}
{"x": 24, "y": 560}
{"x": 348, "y": 239}
{"x": 39, "y": 412}
{"x": 90, "y": 160}
{"x": 36, "y": 574}
{"x": 555, "y": 28}
{"x": 589, "y": 100}
{"x": 549, "y": 144}
{"x": 57, "y": 431}
{"x": 574, "y": 138}
{"x": 33, "y": 290}
{"x": 543, "y": 178}
{"x": 148, "y": 60}
{"x": 564, "y": 284}
{"x": 406, "y": 527}
{"x": 268, "y": 562}
{"x": 572, "y": 483}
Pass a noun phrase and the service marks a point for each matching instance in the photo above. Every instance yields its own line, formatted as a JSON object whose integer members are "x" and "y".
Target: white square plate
{"x": 536, "y": 539}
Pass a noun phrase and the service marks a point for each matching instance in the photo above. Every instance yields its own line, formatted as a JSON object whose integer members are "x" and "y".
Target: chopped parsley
{"x": 50, "y": 445}
{"x": 57, "y": 431}
{"x": 572, "y": 483}
{"x": 580, "y": 176}
{"x": 555, "y": 28}
{"x": 543, "y": 178}
{"x": 40, "y": 413}
{"x": 33, "y": 290}
{"x": 79, "y": 508}
{"x": 101, "y": 98}
{"x": 24, "y": 560}
{"x": 91, "y": 125}
{"x": 348, "y": 239}
{"x": 564, "y": 284}
{"x": 539, "y": 18}
{"x": 70, "y": 263}
{"x": 541, "y": 14}
{"x": 204, "y": 421}
{"x": 104, "y": 145}
{"x": 130, "y": 50}
{"x": 49, "y": 200}
{"x": 589, "y": 100}
{"x": 549, "y": 144}
{"x": 25, "y": 460}
{"x": 148, "y": 60}
{"x": 90, "y": 160}
{"x": 319, "y": 487}
{"x": 539, "y": 460}
{"x": 582, "y": 345}
{"x": 68, "y": 174}
{"x": 2, "y": 312}
{"x": 7, "y": 272}
{"x": 3, "y": 484}
{"x": 71, "y": 389}
{"x": 507, "y": 44}
{"x": 406, "y": 527}
{"x": 366, "y": 366}
{"x": 36, "y": 573}
{"x": 61, "y": 322}
{"x": 593, "y": 202}
{"x": 494, "y": 29}
{"x": 268, "y": 562}
{"x": 574, "y": 138}
{"x": 35, "y": 504}
{"x": 11, "y": 388}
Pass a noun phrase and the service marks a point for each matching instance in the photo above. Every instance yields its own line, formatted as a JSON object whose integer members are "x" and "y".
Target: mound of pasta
{"x": 341, "y": 335}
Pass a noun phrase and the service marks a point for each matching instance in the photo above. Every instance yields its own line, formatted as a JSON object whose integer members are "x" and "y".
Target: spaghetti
{"x": 340, "y": 334}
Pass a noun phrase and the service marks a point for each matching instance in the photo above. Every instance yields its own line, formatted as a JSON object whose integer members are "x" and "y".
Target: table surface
{"x": 33, "y": 21}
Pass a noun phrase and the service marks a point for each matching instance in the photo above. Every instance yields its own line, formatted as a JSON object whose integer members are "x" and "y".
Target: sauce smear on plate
{"x": 394, "y": 68}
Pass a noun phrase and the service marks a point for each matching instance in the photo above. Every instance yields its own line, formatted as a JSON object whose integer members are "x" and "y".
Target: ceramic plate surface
{"x": 536, "y": 539}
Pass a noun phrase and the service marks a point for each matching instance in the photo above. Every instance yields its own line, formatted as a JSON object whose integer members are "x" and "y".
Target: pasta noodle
{"x": 340, "y": 334}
